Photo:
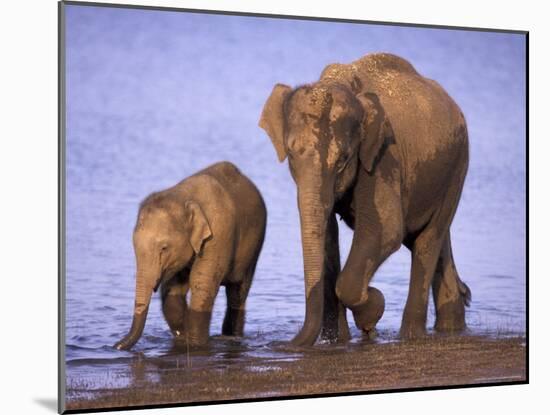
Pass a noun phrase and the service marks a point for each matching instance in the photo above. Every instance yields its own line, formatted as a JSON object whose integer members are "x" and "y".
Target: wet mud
{"x": 231, "y": 370}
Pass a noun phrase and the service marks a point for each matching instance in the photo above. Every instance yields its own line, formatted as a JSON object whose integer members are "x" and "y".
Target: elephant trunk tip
{"x": 135, "y": 332}
{"x": 125, "y": 344}
{"x": 119, "y": 346}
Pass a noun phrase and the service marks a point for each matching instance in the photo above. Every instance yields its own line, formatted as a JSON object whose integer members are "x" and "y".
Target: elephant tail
{"x": 464, "y": 292}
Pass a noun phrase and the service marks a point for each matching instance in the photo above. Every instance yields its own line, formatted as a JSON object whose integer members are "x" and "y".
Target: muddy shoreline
{"x": 184, "y": 378}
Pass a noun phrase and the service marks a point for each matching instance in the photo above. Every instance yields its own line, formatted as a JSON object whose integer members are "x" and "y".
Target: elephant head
{"x": 326, "y": 131}
{"x": 167, "y": 236}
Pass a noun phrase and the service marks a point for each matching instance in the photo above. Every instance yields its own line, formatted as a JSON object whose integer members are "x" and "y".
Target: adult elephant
{"x": 387, "y": 150}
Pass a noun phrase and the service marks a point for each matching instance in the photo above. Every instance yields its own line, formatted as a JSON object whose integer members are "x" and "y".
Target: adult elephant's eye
{"x": 355, "y": 128}
{"x": 342, "y": 163}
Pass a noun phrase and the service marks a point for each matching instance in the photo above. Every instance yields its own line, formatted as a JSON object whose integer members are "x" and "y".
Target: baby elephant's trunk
{"x": 136, "y": 330}
{"x": 143, "y": 298}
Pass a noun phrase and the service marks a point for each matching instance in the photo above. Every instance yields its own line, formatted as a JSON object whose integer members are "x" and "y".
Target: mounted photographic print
{"x": 257, "y": 207}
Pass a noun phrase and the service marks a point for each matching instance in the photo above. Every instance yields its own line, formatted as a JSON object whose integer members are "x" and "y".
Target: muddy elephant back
{"x": 408, "y": 99}
{"x": 430, "y": 132}
{"x": 250, "y": 220}
{"x": 246, "y": 197}
{"x": 251, "y": 205}
{"x": 358, "y": 73}
{"x": 382, "y": 63}
{"x": 221, "y": 170}
{"x": 423, "y": 116}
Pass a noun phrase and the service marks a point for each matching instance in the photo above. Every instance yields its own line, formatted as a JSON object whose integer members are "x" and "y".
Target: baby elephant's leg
{"x": 174, "y": 305}
{"x": 233, "y": 323}
{"x": 204, "y": 285}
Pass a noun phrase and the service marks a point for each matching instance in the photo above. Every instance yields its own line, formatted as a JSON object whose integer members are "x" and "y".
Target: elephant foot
{"x": 411, "y": 330}
{"x": 199, "y": 325}
{"x": 233, "y": 323}
{"x": 182, "y": 346}
{"x": 450, "y": 317}
{"x": 368, "y": 314}
{"x": 371, "y": 334}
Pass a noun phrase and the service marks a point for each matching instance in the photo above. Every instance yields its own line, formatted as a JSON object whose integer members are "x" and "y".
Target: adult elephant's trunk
{"x": 144, "y": 290}
{"x": 313, "y": 219}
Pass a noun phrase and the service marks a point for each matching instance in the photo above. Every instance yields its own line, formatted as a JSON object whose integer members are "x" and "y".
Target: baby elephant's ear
{"x": 375, "y": 128}
{"x": 200, "y": 229}
{"x": 272, "y": 119}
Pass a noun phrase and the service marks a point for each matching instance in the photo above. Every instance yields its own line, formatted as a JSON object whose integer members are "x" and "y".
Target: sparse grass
{"x": 434, "y": 361}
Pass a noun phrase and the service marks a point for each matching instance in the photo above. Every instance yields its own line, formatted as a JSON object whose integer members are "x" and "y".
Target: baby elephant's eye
{"x": 164, "y": 248}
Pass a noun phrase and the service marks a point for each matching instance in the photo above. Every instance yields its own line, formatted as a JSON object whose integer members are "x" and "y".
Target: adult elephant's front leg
{"x": 335, "y": 324}
{"x": 352, "y": 286}
{"x": 378, "y": 233}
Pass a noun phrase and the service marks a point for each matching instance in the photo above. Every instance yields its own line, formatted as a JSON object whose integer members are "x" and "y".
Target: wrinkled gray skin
{"x": 387, "y": 150}
{"x": 204, "y": 232}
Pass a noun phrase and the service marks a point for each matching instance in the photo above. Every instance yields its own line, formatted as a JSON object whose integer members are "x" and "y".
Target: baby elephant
{"x": 204, "y": 232}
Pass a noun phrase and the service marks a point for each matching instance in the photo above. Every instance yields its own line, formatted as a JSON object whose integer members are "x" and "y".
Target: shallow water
{"x": 152, "y": 97}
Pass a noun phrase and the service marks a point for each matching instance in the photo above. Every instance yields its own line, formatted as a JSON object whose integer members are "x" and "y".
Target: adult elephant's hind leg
{"x": 450, "y": 294}
{"x": 429, "y": 246}
{"x": 335, "y": 324}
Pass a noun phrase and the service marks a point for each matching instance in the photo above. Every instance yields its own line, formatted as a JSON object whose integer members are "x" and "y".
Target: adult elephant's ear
{"x": 272, "y": 119}
{"x": 199, "y": 228}
{"x": 375, "y": 128}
